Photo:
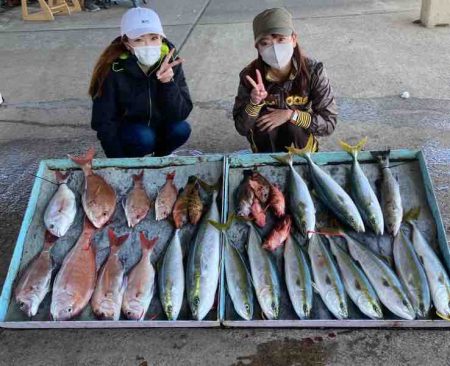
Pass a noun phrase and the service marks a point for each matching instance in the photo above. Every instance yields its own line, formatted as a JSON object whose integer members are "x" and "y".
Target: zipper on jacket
{"x": 150, "y": 102}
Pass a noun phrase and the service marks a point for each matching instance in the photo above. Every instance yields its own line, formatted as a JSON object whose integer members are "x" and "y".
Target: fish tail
{"x": 138, "y": 177}
{"x": 223, "y": 227}
{"x": 311, "y": 146}
{"x": 170, "y": 176}
{"x": 61, "y": 177}
{"x": 49, "y": 240}
{"x": 442, "y": 316}
{"x": 87, "y": 225}
{"x": 285, "y": 159}
{"x": 83, "y": 160}
{"x": 210, "y": 188}
{"x": 353, "y": 149}
{"x": 115, "y": 241}
{"x": 147, "y": 244}
{"x": 411, "y": 215}
{"x": 382, "y": 157}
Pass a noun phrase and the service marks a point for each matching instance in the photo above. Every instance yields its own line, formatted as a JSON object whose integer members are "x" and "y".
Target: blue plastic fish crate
{"x": 416, "y": 189}
{"x": 118, "y": 173}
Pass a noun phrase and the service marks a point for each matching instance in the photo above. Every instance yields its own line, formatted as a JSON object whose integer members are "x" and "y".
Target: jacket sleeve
{"x": 174, "y": 97}
{"x": 105, "y": 119}
{"x": 244, "y": 112}
{"x": 323, "y": 104}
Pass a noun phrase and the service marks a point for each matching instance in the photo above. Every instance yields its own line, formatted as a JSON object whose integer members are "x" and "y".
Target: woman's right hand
{"x": 258, "y": 93}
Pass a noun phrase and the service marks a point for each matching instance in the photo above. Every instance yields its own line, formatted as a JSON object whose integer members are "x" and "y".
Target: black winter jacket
{"x": 130, "y": 96}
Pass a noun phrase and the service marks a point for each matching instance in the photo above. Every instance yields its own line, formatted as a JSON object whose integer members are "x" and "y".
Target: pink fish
{"x": 34, "y": 283}
{"x": 141, "y": 283}
{"x": 99, "y": 198}
{"x": 75, "y": 281}
{"x": 137, "y": 203}
{"x": 278, "y": 235}
{"x": 166, "y": 198}
{"x": 106, "y": 301}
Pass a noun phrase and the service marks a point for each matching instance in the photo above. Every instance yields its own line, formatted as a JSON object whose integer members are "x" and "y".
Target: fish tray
{"x": 117, "y": 172}
{"x": 416, "y": 190}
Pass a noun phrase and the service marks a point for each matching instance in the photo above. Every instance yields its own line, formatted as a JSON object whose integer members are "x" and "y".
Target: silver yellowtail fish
{"x": 329, "y": 192}
{"x": 326, "y": 278}
{"x": 141, "y": 283}
{"x": 362, "y": 192}
{"x": 111, "y": 283}
{"x": 298, "y": 278}
{"x": 202, "y": 273}
{"x": 171, "y": 278}
{"x": 34, "y": 283}
{"x": 62, "y": 208}
{"x": 356, "y": 283}
{"x": 264, "y": 275}
{"x": 239, "y": 284}
{"x": 383, "y": 279}
{"x": 411, "y": 274}
{"x": 391, "y": 200}
{"x": 300, "y": 202}
{"x": 437, "y": 276}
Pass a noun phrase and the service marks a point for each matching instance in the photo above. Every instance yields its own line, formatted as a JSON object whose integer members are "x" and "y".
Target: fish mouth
{"x": 135, "y": 314}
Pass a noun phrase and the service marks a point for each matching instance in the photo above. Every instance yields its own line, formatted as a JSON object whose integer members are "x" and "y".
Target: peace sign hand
{"x": 258, "y": 93}
{"x": 165, "y": 72}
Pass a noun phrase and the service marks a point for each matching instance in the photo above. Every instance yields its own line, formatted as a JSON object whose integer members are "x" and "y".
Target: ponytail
{"x": 103, "y": 65}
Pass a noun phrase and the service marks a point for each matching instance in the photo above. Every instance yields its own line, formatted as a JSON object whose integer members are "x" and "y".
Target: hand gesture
{"x": 258, "y": 93}
{"x": 273, "y": 119}
{"x": 165, "y": 72}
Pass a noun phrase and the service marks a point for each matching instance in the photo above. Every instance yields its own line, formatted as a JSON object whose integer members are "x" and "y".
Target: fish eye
{"x": 274, "y": 306}
{"x": 375, "y": 308}
{"x": 196, "y": 301}
{"x": 69, "y": 310}
{"x": 128, "y": 312}
{"x": 169, "y": 308}
{"x": 105, "y": 213}
{"x": 342, "y": 306}
{"x": 51, "y": 226}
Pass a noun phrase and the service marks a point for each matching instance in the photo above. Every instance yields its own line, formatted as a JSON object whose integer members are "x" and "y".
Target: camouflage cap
{"x": 272, "y": 21}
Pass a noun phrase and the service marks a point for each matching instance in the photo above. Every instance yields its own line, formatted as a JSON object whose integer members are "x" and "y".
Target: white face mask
{"x": 278, "y": 55}
{"x": 147, "y": 55}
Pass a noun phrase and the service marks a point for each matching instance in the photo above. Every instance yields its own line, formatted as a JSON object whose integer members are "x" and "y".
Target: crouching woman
{"x": 283, "y": 96}
{"x": 140, "y": 97}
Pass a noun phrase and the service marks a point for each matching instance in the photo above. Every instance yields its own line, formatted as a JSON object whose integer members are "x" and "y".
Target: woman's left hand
{"x": 165, "y": 72}
{"x": 274, "y": 119}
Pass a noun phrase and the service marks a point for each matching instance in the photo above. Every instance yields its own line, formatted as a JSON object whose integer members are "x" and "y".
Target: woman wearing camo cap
{"x": 283, "y": 96}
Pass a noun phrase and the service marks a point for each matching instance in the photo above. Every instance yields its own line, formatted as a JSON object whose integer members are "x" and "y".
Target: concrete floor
{"x": 372, "y": 51}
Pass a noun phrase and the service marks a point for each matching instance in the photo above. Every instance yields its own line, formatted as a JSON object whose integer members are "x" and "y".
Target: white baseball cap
{"x": 139, "y": 21}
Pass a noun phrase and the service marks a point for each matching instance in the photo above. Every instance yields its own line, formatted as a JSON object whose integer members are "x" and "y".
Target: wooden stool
{"x": 48, "y": 10}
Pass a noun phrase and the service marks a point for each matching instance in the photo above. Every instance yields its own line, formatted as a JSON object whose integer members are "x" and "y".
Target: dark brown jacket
{"x": 317, "y": 99}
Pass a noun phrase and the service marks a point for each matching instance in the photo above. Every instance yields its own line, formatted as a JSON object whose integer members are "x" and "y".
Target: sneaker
{"x": 91, "y": 7}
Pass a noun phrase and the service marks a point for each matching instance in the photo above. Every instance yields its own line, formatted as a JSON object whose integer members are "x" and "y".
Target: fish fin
{"x": 308, "y": 149}
{"x": 442, "y": 316}
{"x": 61, "y": 177}
{"x": 116, "y": 241}
{"x": 138, "y": 177}
{"x": 315, "y": 288}
{"x": 223, "y": 227}
{"x": 49, "y": 240}
{"x": 148, "y": 244}
{"x": 83, "y": 160}
{"x": 353, "y": 149}
{"x": 411, "y": 215}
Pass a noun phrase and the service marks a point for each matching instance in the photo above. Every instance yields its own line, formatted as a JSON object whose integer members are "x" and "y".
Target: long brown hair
{"x": 103, "y": 65}
{"x": 301, "y": 82}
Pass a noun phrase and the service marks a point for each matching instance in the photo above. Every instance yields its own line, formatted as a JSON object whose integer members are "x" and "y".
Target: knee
{"x": 180, "y": 131}
{"x": 138, "y": 140}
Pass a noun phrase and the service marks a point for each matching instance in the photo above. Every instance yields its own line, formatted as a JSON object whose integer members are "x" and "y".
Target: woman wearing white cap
{"x": 140, "y": 97}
